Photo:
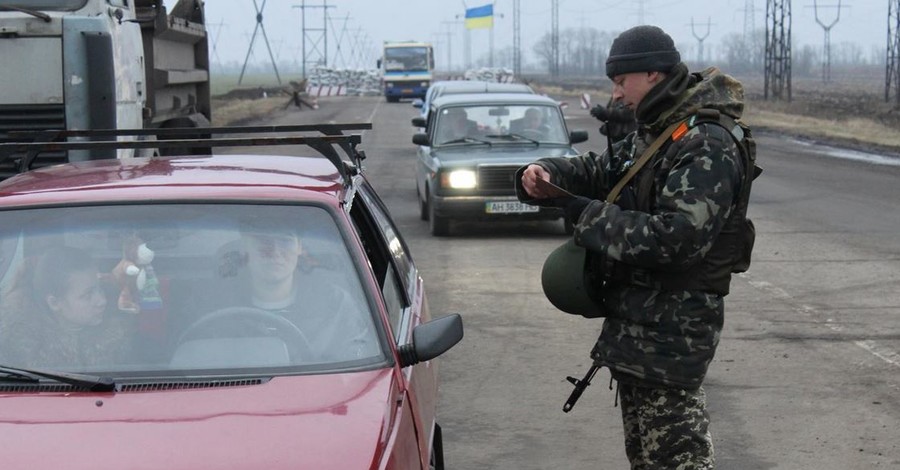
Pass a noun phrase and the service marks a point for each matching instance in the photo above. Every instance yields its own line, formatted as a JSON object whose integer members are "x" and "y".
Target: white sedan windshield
{"x": 179, "y": 287}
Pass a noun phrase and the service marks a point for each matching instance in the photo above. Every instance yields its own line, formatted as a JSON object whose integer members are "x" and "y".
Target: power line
{"x": 517, "y": 38}
{"x": 778, "y": 49}
{"x": 826, "y": 62}
{"x": 700, "y": 39}
{"x": 892, "y": 69}
{"x": 259, "y": 27}
{"x": 323, "y": 55}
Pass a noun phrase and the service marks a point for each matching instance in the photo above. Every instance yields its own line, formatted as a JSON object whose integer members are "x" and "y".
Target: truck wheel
{"x": 186, "y": 122}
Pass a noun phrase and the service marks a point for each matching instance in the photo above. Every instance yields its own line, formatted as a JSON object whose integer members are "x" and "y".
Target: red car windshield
{"x": 180, "y": 288}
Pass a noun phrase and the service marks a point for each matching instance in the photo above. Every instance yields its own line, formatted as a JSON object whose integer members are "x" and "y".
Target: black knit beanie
{"x": 642, "y": 49}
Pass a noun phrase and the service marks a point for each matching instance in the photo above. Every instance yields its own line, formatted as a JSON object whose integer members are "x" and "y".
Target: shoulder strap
{"x": 645, "y": 157}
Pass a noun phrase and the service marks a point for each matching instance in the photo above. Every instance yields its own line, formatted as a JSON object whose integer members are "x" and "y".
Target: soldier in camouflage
{"x": 663, "y": 298}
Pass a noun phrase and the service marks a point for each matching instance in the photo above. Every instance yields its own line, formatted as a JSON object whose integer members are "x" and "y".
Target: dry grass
{"x": 799, "y": 118}
{"x": 236, "y": 112}
{"x": 858, "y": 130}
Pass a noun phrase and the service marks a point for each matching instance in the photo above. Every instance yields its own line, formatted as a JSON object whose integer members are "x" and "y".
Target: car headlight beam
{"x": 459, "y": 179}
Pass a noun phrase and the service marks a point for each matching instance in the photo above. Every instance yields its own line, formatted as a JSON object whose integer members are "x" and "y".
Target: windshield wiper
{"x": 93, "y": 383}
{"x": 27, "y": 11}
{"x": 514, "y": 136}
{"x": 467, "y": 140}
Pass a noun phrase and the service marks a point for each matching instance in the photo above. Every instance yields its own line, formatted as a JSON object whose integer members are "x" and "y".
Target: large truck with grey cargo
{"x": 101, "y": 64}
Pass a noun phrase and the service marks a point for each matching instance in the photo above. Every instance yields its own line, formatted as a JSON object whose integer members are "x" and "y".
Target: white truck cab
{"x": 101, "y": 64}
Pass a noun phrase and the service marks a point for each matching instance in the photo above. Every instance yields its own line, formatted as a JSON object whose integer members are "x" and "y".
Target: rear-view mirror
{"x": 421, "y": 139}
{"x": 432, "y": 339}
{"x": 578, "y": 136}
{"x": 418, "y": 121}
{"x": 418, "y": 103}
{"x": 498, "y": 112}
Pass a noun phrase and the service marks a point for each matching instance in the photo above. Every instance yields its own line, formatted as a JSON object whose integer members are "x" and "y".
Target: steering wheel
{"x": 235, "y": 319}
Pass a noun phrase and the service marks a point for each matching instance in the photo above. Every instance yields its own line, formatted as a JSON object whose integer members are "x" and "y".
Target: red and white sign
{"x": 585, "y": 101}
{"x": 326, "y": 90}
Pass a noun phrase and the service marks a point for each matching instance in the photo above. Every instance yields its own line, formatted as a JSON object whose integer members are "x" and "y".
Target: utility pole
{"x": 554, "y": 38}
{"x": 339, "y": 38}
{"x": 826, "y": 60}
{"x": 304, "y": 32}
{"x": 517, "y": 38}
{"x": 749, "y": 21}
{"x": 217, "y": 32}
{"x": 354, "y": 47}
{"x": 700, "y": 39}
{"x": 778, "y": 49}
{"x": 259, "y": 27}
{"x": 450, "y": 24}
{"x": 467, "y": 40}
{"x": 892, "y": 70}
{"x": 491, "y": 53}
{"x": 447, "y": 37}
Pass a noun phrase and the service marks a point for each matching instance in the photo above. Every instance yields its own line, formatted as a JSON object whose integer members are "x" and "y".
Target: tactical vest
{"x": 730, "y": 253}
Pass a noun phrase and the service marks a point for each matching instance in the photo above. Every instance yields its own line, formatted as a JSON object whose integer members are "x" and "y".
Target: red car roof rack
{"x": 25, "y": 146}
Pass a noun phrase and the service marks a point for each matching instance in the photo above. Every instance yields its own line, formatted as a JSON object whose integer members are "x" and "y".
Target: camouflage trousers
{"x": 666, "y": 428}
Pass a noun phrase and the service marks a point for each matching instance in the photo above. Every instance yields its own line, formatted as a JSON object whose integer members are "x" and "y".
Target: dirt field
{"x": 850, "y": 111}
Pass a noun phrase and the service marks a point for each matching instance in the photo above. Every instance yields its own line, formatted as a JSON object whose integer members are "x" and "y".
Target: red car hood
{"x": 304, "y": 422}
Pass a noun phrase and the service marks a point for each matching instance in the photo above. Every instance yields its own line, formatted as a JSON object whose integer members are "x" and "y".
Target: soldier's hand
{"x": 600, "y": 112}
{"x": 529, "y": 181}
{"x": 575, "y": 207}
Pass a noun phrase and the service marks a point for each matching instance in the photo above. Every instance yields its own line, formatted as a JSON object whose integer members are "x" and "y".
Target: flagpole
{"x": 493, "y": 16}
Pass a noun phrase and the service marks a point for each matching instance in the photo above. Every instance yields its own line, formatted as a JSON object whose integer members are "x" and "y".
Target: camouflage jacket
{"x": 655, "y": 337}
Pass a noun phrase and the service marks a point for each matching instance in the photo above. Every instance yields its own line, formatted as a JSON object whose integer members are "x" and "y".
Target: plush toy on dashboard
{"x": 138, "y": 284}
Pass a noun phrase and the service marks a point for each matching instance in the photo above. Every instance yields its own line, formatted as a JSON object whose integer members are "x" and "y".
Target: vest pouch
{"x": 745, "y": 247}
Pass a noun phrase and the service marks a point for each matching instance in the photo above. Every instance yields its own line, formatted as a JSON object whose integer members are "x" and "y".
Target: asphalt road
{"x": 807, "y": 375}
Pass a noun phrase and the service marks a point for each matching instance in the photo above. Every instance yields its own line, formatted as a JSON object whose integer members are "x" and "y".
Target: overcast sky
{"x": 232, "y": 23}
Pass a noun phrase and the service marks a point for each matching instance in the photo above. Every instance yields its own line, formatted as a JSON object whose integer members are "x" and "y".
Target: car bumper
{"x": 486, "y": 208}
{"x": 406, "y": 91}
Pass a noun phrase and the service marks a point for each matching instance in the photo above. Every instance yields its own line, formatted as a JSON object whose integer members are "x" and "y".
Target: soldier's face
{"x": 631, "y": 88}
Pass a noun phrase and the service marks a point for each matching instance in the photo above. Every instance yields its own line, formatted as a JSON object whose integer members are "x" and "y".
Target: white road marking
{"x": 372, "y": 116}
{"x": 880, "y": 351}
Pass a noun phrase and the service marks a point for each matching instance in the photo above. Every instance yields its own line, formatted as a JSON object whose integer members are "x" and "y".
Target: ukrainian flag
{"x": 480, "y": 17}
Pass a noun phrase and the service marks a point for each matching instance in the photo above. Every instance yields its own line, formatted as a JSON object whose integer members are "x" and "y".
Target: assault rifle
{"x": 580, "y": 385}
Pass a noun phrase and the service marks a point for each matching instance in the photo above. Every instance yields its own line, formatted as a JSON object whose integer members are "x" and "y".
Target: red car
{"x": 227, "y": 311}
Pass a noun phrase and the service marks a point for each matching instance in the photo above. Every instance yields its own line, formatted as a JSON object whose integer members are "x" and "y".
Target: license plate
{"x": 406, "y": 91}
{"x": 508, "y": 207}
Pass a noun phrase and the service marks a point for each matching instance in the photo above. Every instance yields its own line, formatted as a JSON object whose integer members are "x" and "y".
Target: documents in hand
{"x": 553, "y": 191}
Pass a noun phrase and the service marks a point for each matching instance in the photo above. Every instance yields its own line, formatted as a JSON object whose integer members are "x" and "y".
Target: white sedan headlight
{"x": 459, "y": 179}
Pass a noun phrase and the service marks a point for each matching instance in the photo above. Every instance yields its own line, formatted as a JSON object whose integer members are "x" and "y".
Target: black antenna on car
{"x": 25, "y": 146}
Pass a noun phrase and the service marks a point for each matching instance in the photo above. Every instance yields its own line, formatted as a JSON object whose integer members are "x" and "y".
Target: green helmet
{"x": 565, "y": 281}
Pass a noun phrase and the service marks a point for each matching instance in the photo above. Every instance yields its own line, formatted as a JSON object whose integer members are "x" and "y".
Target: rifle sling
{"x": 645, "y": 157}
